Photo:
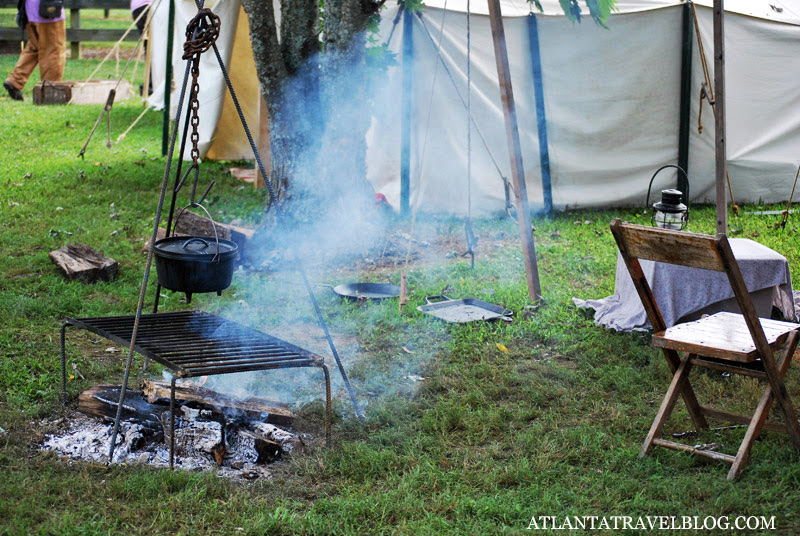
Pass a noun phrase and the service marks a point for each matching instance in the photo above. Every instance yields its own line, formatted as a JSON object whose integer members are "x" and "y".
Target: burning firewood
{"x": 196, "y": 436}
{"x": 256, "y": 448}
{"x": 287, "y": 441}
{"x": 204, "y": 435}
{"x": 251, "y": 408}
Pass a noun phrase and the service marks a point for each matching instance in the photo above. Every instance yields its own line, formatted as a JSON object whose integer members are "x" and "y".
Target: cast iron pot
{"x": 195, "y": 264}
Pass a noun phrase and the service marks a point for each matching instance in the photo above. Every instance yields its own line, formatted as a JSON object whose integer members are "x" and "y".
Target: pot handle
{"x": 213, "y": 225}
{"x": 196, "y": 239}
{"x": 435, "y": 299}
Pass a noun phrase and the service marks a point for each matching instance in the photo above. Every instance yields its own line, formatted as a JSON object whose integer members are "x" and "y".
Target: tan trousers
{"x": 45, "y": 46}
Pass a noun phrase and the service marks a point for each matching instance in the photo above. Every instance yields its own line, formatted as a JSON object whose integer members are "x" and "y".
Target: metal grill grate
{"x": 197, "y": 343}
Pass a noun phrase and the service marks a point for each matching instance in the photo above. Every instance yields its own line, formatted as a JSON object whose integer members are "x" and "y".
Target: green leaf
{"x": 600, "y": 10}
{"x": 572, "y": 9}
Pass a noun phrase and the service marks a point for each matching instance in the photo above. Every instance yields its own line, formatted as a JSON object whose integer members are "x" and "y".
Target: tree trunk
{"x": 287, "y": 74}
{"x": 317, "y": 129}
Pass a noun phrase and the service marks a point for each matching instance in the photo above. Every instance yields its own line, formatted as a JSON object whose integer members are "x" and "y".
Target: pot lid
{"x": 195, "y": 245}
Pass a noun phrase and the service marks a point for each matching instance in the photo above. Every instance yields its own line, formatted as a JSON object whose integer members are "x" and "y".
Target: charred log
{"x": 102, "y": 401}
{"x": 252, "y": 408}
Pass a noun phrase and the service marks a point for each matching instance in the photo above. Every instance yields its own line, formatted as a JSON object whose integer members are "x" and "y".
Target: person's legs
{"x": 140, "y": 16}
{"x": 140, "y": 21}
{"x": 27, "y": 59}
{"x": 52, "y": 54}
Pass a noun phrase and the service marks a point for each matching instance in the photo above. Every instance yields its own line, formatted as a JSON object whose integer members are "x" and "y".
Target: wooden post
{"x": 405, "y": 114}
{"x": 686, "y": 101}
{"x": 719, "y": 118}
{"x": 263, "y": 143}
{"x": 515, "y": 150}
{"x": 74, "y": 24}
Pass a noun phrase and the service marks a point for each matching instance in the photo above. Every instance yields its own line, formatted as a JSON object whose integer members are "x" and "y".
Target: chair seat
{"x": 723, "y": 335}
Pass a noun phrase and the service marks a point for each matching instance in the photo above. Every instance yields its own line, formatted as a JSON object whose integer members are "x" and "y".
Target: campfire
{"x": 239, "y": 437}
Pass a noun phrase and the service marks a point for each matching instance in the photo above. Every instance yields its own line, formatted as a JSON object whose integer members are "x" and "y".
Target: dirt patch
{"x": 100, "y": 53}
{"x": 430, "y": 244}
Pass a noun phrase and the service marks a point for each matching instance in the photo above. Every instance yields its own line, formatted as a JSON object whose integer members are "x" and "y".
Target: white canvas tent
{"x": 611, "y": 98}
{"x": 220, "y": 131}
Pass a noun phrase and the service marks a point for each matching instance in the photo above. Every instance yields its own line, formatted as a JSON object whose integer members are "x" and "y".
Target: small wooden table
{"x": 685, "y": 293}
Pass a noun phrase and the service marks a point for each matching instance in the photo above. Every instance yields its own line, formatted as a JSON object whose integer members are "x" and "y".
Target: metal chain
{"x": 194, "y": 106}
{"x": 201, "y": 33}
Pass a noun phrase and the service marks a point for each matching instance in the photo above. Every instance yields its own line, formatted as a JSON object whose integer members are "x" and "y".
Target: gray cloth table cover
{"x": 681, "y": 291}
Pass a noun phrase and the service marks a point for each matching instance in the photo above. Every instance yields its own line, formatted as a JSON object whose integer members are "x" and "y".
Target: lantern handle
{"x": 685, "y": 176}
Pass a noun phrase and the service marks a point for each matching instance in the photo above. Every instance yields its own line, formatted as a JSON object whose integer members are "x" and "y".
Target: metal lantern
{"x": 670, "y": 213}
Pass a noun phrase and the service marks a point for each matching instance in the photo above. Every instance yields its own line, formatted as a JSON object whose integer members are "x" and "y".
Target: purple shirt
{"x": 32, "y": 10}
{"x": 136, "y": 4}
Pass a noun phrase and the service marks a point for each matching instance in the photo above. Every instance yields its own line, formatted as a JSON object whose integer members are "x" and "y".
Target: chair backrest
{"x": 667, "y": 246}
{"x": 685, "y": 249}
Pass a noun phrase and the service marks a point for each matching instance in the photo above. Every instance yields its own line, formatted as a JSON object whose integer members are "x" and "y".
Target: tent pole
{"x": 541, "y": 118}
{"x": 686, "y": 100}
{"x": 405, "y": 121}
{"x": 719, "y": 118}
{"x": 515, "y": 150}
{"x": 168, "y": 79}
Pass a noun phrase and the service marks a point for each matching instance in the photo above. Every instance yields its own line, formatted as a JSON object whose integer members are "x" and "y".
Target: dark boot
{"x": 13, "y": 92}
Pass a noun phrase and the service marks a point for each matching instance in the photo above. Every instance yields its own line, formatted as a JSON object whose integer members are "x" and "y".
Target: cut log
{"x": 79, "y": 261}
{"x": 102, "y": 401}
{"x": 162, "y": 233}
{"x": 251, "y": 408}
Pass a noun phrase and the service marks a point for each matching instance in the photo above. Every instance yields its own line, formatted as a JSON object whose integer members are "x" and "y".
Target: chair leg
{"x": 762, "y": 412}
{"x": 775, "y": 379}
{"x": 687, "y": 393}
{"x": 676, "y": 388}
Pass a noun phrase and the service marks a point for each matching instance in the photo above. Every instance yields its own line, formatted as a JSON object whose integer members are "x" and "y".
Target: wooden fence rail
{"x": 75, "y": 34}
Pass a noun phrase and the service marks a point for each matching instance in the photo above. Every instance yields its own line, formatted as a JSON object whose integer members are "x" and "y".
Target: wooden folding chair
{"x": 730, "y": 342}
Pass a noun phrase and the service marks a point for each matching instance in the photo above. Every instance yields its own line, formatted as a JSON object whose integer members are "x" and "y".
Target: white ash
{"x": 86, "y": 438}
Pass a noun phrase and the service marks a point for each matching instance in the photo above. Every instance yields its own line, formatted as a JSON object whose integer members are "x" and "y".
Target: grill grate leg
{"x": 327, "y": 404}
{"x": 172, "y": 423}
{"x": 64, "y": 362}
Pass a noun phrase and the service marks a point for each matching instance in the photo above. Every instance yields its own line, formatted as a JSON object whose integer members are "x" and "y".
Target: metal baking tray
{"x": 463, "y": 310}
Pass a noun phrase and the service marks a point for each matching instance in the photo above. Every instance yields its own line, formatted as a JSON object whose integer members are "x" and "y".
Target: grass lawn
{"x": 540, "y": 417}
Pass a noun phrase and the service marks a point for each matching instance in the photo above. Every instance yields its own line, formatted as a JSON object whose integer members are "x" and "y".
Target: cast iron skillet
{"x": 367, "y": 291}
